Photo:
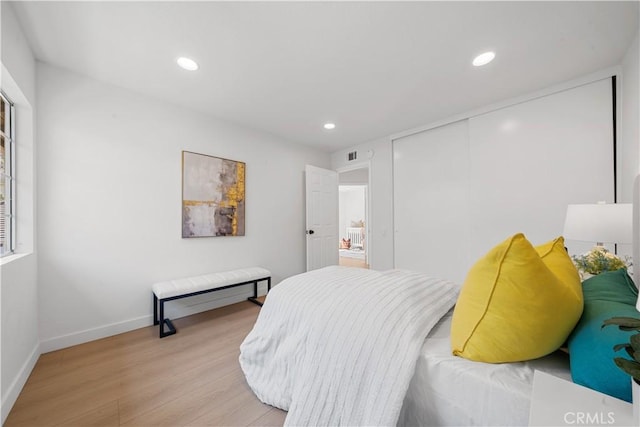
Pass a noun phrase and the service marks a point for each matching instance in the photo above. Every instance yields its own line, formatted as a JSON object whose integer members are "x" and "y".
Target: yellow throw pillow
{"x": 517, "y": 303}
{"x": 554, "y": 255}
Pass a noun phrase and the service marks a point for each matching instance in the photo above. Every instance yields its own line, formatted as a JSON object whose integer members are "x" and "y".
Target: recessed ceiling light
{"x": 187, "y": 63}
{"x": 329, "y": 126}
{"x": 483, "y": 59}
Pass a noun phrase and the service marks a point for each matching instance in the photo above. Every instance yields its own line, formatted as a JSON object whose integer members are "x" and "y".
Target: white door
{"x": 322, "y": 217}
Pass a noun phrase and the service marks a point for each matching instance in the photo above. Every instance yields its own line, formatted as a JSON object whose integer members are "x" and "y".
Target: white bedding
{"x": 338, "y": 346}
{"x": 452, "y": 391}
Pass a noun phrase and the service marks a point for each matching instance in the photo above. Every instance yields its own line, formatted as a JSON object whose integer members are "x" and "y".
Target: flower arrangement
{"x": 599, "y": 260}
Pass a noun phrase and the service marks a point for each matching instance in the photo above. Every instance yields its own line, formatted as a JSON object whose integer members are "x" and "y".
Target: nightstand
{"x": 557, "y": 402}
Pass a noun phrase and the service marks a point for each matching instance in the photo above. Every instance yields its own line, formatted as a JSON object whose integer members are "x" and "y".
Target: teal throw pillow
{"x": 607, "y": 295}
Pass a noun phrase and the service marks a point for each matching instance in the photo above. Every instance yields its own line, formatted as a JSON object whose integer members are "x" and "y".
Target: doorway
{"x": 353, "y": 191}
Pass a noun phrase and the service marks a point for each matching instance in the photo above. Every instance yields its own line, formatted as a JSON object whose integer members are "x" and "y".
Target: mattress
{"x": 452, "y": 391}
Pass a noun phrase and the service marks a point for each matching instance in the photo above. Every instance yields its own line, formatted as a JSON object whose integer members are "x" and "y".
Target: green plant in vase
{"x": 598, "y": 260}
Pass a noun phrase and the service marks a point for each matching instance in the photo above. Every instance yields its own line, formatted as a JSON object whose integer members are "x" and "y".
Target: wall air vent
{"x": 352, "y": 155}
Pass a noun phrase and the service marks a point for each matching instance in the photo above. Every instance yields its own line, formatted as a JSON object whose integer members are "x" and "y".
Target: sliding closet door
{"x": 431, "y": 208}
{"x": 529, "y": 161}
{"x": 462, "y": 188}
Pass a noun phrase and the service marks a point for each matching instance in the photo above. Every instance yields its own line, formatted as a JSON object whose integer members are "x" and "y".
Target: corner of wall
{"x": 13, "y": 391}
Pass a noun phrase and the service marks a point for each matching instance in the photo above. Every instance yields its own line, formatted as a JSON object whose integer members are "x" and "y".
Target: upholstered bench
{"x": 191, "y": 286}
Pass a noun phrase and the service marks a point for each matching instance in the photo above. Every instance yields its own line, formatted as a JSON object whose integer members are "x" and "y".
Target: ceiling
{"x": 372, "y": 68}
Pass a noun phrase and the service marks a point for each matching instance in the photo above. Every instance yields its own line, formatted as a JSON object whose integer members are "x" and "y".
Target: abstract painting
{"x": 213, "y": 197}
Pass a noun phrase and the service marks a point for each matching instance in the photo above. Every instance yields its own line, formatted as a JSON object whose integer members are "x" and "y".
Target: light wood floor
{"x": 352, "y": 262}
{"x": 136, "y": 379}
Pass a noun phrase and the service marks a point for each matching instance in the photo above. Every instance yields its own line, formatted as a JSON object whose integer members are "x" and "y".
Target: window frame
{"x": 9, "y": 177}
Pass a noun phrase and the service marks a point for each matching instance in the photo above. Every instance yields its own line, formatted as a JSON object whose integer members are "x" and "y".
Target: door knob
{"x": 310, "y": 231}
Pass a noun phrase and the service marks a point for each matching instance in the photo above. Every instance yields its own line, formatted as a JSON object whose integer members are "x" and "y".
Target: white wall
{"x": 109, "y": 206}
{"x": 629, "y": 123}
{"x": 354, "y": 177}
{"x": 377, "y": 155}
{"x": 19, "y": 341}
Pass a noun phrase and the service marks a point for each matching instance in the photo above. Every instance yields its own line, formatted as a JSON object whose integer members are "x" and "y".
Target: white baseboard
{"x": 81, "y": 337}
{"x": 172, "y": 312}
{"x": 9, "y": 399}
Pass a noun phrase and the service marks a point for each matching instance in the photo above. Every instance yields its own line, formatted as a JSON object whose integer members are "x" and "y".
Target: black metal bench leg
{"x": 155, "y": 310}
{"x": 254, "y": 298}
{"x": 163, "y": 321}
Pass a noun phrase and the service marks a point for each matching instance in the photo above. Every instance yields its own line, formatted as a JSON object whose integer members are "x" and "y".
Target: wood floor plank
{"x": 274, "y": 417}
{"x": 55, "y": 408}
{"x": 136, "y": 379}
{"x": 138, "y": 400}
{"x": 103, "y": 416}
{"x": 240, "y": 408}
{"x": 189, "y": 406}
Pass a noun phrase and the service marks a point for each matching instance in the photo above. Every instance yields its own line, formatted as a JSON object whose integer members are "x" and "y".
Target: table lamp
{"x": 600, "y": 223}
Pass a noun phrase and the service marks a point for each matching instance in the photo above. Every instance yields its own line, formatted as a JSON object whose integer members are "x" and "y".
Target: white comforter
{"x": 338, "y": 346}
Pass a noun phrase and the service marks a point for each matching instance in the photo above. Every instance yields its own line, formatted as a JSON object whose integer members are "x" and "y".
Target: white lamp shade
{"x": 601, "y": 223}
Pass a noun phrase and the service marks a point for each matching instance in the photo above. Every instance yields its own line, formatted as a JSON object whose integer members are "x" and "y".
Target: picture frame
{"x": 213, "y": 196}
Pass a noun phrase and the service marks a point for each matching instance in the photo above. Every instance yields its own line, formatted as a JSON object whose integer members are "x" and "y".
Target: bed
{"x": 301, "y": 361}
{"x": 338, "y": 345}
{"x": 452, "y": 391}
{"x": 347, "y": 346}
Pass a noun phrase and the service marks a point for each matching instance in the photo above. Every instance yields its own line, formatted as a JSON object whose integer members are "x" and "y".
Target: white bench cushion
{"x": 188, "y": 285}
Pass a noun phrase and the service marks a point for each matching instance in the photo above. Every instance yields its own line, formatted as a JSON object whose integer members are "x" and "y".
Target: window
{"x": 7, "y": 177}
